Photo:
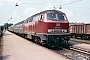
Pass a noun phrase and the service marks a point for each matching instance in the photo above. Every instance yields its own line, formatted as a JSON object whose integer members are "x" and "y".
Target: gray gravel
{"x": 72, "y": 56}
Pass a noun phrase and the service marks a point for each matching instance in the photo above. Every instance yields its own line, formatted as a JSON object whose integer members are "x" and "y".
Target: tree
{"x": 6, "y": 25}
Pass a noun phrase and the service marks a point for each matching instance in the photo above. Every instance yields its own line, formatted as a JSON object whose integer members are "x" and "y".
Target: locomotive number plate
{"x": 57, "y": 24}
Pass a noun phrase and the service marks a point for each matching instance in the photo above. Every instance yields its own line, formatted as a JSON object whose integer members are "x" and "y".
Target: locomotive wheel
{"x": 49, "y": 44}
{"x": 57, "y": 42}
{"x": 36, "y": 40}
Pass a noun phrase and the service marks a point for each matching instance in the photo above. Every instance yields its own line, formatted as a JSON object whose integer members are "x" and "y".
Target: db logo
{"x": 57, "y": 24}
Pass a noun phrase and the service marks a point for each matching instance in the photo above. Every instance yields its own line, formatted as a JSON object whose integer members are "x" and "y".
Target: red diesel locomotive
{"x": 49, "y": 27}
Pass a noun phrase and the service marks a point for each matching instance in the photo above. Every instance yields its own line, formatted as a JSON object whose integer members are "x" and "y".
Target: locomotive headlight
{"x": 56, "y": 31}
{"x": 64, "y": 30}
{"x": 50, "y": 30}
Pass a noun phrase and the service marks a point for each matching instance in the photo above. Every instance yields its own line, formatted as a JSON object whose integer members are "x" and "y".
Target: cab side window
{"x": 41, "y": 17}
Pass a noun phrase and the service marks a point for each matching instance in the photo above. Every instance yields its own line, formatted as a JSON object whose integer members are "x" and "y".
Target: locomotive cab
{"x": 53, "y": 28}
{"x": 47, "y": 27}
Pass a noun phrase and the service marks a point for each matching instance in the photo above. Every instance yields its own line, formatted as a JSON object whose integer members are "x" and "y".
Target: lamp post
{"x": 17, "y": 3}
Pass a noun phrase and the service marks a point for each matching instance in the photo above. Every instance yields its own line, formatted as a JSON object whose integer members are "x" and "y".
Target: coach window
{"x": 26, "y": 21}
{"x": 29, "y": 20}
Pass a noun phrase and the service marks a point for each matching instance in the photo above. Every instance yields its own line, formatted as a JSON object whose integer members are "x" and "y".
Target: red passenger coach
{"x": 47, "y": 27}
{"x": 50, "y": 26}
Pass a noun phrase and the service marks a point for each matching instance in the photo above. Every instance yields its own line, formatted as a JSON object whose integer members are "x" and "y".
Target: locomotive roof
{"x": 45, "y": 12}
{"x": 41, "y": 13}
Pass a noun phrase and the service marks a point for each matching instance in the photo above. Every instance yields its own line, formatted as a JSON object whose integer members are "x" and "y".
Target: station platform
{"x": 17, "y": 48}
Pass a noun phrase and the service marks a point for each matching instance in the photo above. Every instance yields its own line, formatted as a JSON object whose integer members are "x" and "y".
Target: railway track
{"x": 74, "y": 53}
{"x": 81, "y": 41}
{"x": 81, "y": 50}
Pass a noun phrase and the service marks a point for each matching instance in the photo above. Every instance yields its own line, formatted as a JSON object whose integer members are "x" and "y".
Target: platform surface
{"x": 17, "y": 48}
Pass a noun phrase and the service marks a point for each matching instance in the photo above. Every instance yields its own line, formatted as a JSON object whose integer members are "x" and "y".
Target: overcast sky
{"x": 76, "y": 12}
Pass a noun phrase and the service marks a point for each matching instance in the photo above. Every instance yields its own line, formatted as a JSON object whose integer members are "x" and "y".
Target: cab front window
{"x": 51, "y": 16}
{"x": 61, "y": 17}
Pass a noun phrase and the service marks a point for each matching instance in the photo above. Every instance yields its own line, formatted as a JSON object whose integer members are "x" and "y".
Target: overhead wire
{"x": 35, "y": 3}
{"x": 66, "y": 4}
{"x": 78, "y": 7}
{"x": 18, "y": 1}
{"x": 71, "y": 2}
